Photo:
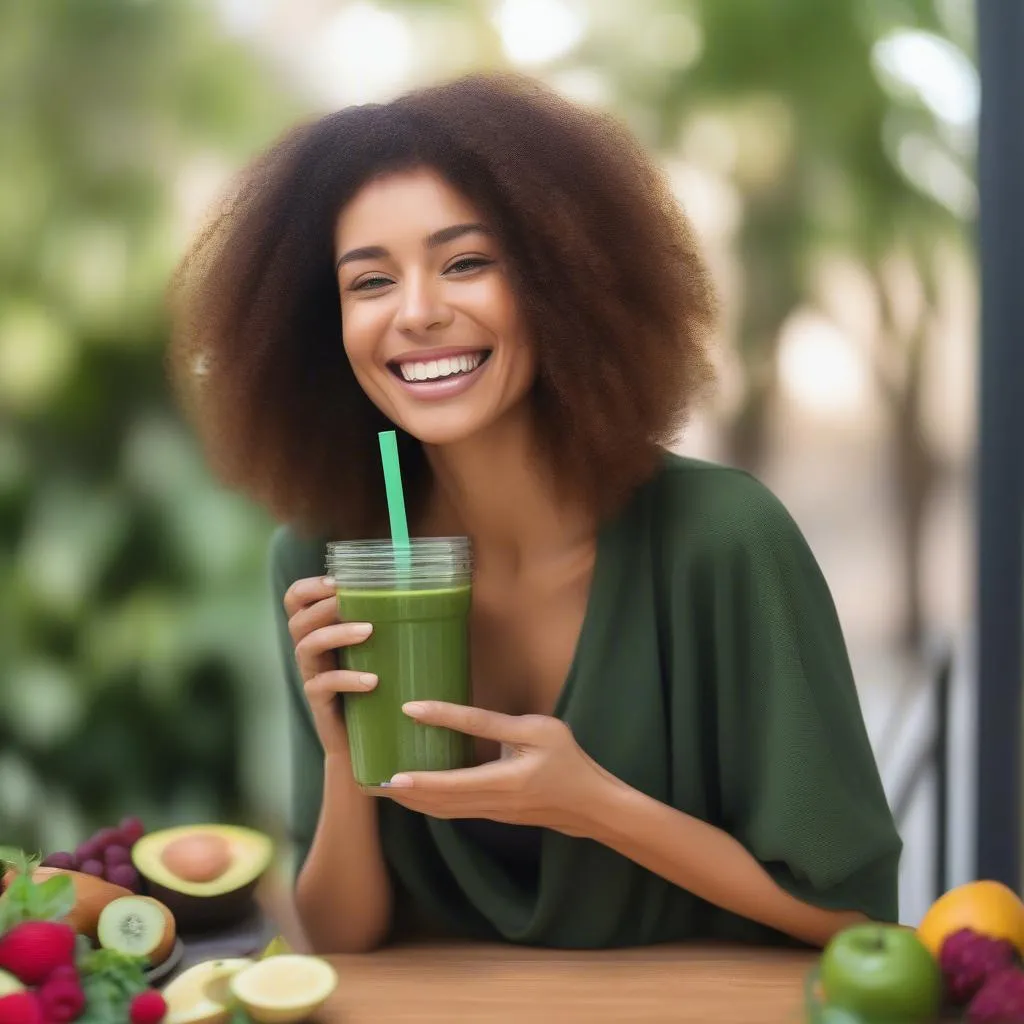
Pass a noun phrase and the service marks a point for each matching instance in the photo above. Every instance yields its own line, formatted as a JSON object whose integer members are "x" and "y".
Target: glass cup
{"x": 417, "y": 599}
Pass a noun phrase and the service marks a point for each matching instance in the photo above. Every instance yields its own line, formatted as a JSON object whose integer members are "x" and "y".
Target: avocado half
{"x": 207, "y": 905}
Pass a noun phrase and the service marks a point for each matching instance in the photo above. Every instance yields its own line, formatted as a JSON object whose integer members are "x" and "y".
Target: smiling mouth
{"x": 431, "y": 370}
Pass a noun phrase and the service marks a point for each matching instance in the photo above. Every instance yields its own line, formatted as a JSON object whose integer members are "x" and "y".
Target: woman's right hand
{"x": 312, "y": 609}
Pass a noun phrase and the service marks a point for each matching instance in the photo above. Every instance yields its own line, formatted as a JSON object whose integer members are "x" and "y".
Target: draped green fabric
{"x": 711, "y": 673}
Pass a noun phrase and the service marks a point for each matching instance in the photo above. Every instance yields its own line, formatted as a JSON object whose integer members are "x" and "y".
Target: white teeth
{"x": 436, "y": 369}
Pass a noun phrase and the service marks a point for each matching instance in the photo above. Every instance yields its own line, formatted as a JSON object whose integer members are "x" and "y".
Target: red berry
{"x": 21, "y": 1008}
{"x": 968, "y": 958}
{"x": 66, "y": 971}
{"x": 1000, "y": 1000}
{"x": 33, "y": 949}
{"x": 62, "y": 997}
{"x": 148, "y": 1007}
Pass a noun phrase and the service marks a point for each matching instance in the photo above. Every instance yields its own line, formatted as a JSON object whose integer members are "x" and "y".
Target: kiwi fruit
{"x": 137, "y": 926}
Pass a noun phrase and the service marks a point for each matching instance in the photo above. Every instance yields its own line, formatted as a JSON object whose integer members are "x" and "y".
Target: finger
{"x": 325, "y": 685}
{"x": 494, "y": 776}
{"x": 488, "y": 725}
{"x": 306, "y": 591}
{"x": 327, "y": 638}
{"x": 314, "y": 616}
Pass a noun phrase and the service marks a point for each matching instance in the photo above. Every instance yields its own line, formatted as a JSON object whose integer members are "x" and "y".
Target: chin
{"x": 441, "y": 430}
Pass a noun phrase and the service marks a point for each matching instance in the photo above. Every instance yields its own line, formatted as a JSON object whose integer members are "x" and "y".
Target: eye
{"x": 370, "y": 284}
{"x": 467, "y": 263}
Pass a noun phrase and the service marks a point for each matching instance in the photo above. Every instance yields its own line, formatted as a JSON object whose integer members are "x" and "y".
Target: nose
{"x": 421, "y": 305}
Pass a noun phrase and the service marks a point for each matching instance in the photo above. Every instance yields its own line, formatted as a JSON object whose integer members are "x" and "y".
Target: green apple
{"x": 881, "y": 971}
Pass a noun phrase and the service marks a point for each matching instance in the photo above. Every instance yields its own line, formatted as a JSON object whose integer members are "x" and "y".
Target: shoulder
{"x": 293, "y": 556}
{"x": 717, "y": 509}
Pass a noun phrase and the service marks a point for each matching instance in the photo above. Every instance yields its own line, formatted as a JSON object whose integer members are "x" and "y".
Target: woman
{"x": 506, "y": 280}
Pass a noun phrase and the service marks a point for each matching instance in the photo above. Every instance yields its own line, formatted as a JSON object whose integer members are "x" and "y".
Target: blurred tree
{"x": 823, "y": 150}
{"x": 129, "y": 583}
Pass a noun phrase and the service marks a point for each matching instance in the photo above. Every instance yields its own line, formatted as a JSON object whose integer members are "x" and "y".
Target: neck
{"x": 489, "y": 487}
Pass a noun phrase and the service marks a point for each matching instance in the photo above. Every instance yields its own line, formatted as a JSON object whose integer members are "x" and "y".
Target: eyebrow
{"x": 432, "y": 241}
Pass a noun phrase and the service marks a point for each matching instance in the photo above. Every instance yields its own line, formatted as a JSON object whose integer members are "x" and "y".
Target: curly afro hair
{"x": 605, "y": 266}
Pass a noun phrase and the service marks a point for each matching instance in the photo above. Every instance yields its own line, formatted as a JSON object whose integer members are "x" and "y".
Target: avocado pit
{"x": 205, "y": 874}
{"x": 199, "y": 857}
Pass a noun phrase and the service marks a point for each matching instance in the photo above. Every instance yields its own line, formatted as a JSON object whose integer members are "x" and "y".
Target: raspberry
{"x": 62, "y": 997}
{"x": 148, "y": 1007}
{"x": 21, "y": 1008}
{"x": 968, "y": 958}
{"x": 32, "y": 949}
{"x": 65, "y": 971}
{"x": 1000, "y": 1000}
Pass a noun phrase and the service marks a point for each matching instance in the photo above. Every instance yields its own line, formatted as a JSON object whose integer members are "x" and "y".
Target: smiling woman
{"x": 667, "y": 733}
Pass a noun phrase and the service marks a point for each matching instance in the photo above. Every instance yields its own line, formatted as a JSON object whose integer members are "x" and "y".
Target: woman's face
{"x": 430, "y": 324}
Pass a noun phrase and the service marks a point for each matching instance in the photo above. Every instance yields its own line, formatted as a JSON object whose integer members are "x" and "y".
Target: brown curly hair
{"x": 614, "y": 291}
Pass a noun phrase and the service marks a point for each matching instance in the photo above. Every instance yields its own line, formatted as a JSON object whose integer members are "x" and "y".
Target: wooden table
{"x": 446, "y": 984}
{"x": 504, "y": 984}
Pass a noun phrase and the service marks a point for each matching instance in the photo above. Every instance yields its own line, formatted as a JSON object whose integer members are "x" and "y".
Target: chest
{"x": 523, "y": 640}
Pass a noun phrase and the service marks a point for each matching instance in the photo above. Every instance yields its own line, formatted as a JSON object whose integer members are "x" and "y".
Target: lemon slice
{"x": 200, "y": 995}
{"x": 284, "y": 989}
{"x": 9, "y": 984}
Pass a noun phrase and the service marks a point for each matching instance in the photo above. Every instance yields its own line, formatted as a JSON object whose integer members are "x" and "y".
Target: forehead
{"x": 415, "y": 202}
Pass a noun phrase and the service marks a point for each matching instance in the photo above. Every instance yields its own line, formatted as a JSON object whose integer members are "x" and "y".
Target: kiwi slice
{"x": 138, "y": 926}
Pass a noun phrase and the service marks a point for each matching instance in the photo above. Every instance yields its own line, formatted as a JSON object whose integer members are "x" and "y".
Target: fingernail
{"x": 328, "y": 581}
{"x": 360, "y": 629}
{"x": 368, "y": 679}
{"x": 414, "y": 708}
{"x": 400, "y": 782}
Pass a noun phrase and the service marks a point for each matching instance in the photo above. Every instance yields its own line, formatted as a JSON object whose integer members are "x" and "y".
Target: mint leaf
{"x": 122, "y": 971}
{"x": 23, "y": 863}
{"x": 53, "y": 898}
{"x": 27, "y": 900}
{"x": 103, "y": 1003}
{"x": 14, "y": 904}
{"x": 110, "y": 980}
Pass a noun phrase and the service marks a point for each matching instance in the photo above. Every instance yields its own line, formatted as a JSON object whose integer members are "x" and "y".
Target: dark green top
{"x": 711, "y": 673}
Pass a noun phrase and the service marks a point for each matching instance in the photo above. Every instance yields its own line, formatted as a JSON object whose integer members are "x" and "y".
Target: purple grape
{"x": 106, "y": 837}
{"x": 62, "y": 860}
{"x": 114, "y": 855}
{"x": 89, "y": 850}
{"x": 126, "y": 876}
{"x": 92, "y": 867}
{"x": 131, "y": 829}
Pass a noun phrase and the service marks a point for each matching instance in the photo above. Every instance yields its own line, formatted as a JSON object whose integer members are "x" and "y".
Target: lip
{"x": 446, "y": 387}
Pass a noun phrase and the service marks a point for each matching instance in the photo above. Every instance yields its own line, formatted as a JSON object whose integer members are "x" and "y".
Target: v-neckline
{"x": 593, "y": 615}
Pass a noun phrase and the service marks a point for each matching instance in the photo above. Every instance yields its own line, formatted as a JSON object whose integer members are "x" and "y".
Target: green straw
{"x": 396, "y": 498}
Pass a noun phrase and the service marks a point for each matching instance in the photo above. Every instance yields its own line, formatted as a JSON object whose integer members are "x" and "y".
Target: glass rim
{"x": 382, "y": 542}
{"x": 379, "y": 561}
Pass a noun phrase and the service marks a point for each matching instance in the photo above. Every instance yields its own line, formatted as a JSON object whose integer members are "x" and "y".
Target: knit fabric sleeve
{"x": 798, "y": 782}
{"x": 289, "y": 560}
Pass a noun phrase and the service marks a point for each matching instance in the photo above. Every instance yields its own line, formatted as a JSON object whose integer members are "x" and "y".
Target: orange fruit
{"x": 987, "y": 907}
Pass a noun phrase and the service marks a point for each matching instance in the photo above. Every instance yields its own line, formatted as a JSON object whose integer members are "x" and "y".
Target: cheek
{"x": 359, "y": 334}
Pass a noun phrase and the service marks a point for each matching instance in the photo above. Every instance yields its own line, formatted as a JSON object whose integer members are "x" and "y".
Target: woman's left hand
{"x": 543, "y": 779}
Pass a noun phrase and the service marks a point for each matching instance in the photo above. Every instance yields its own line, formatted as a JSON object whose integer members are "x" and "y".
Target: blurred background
{"x": 825, "y": 153}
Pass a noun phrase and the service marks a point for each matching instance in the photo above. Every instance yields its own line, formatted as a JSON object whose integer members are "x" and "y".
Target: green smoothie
{"x": 419, "y": 651}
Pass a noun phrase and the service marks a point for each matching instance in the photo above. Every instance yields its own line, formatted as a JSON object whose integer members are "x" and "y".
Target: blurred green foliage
{"x": 132, "y": 679}
{"x": 137, "y": 672}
